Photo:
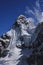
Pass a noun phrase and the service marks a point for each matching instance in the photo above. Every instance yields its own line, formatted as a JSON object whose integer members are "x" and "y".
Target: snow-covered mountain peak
{"x": 22, "y": 43}
{"x": 21, "y": 19}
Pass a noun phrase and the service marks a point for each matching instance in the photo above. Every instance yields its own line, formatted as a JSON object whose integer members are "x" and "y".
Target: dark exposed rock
{"x": 37, "y": 46}
{"x": 15, "y": 25}
{"x": 5, "y": 36}
{"x": 4, "y": 43}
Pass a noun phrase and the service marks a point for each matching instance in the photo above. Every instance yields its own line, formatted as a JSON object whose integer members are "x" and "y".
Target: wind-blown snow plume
{"x": 37, "y": 13}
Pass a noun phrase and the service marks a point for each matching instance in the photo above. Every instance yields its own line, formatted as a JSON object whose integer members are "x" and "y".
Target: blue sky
{"x": 10, "y": 10}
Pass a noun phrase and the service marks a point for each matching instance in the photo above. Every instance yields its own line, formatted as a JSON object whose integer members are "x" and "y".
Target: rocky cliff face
{"x": 20, "y": 46}
{"x": 4, "y": 43}
{"x": 37, "y": 45}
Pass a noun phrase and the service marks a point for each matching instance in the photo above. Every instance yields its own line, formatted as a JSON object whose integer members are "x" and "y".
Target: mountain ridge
{"x": 21, "y": 44}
